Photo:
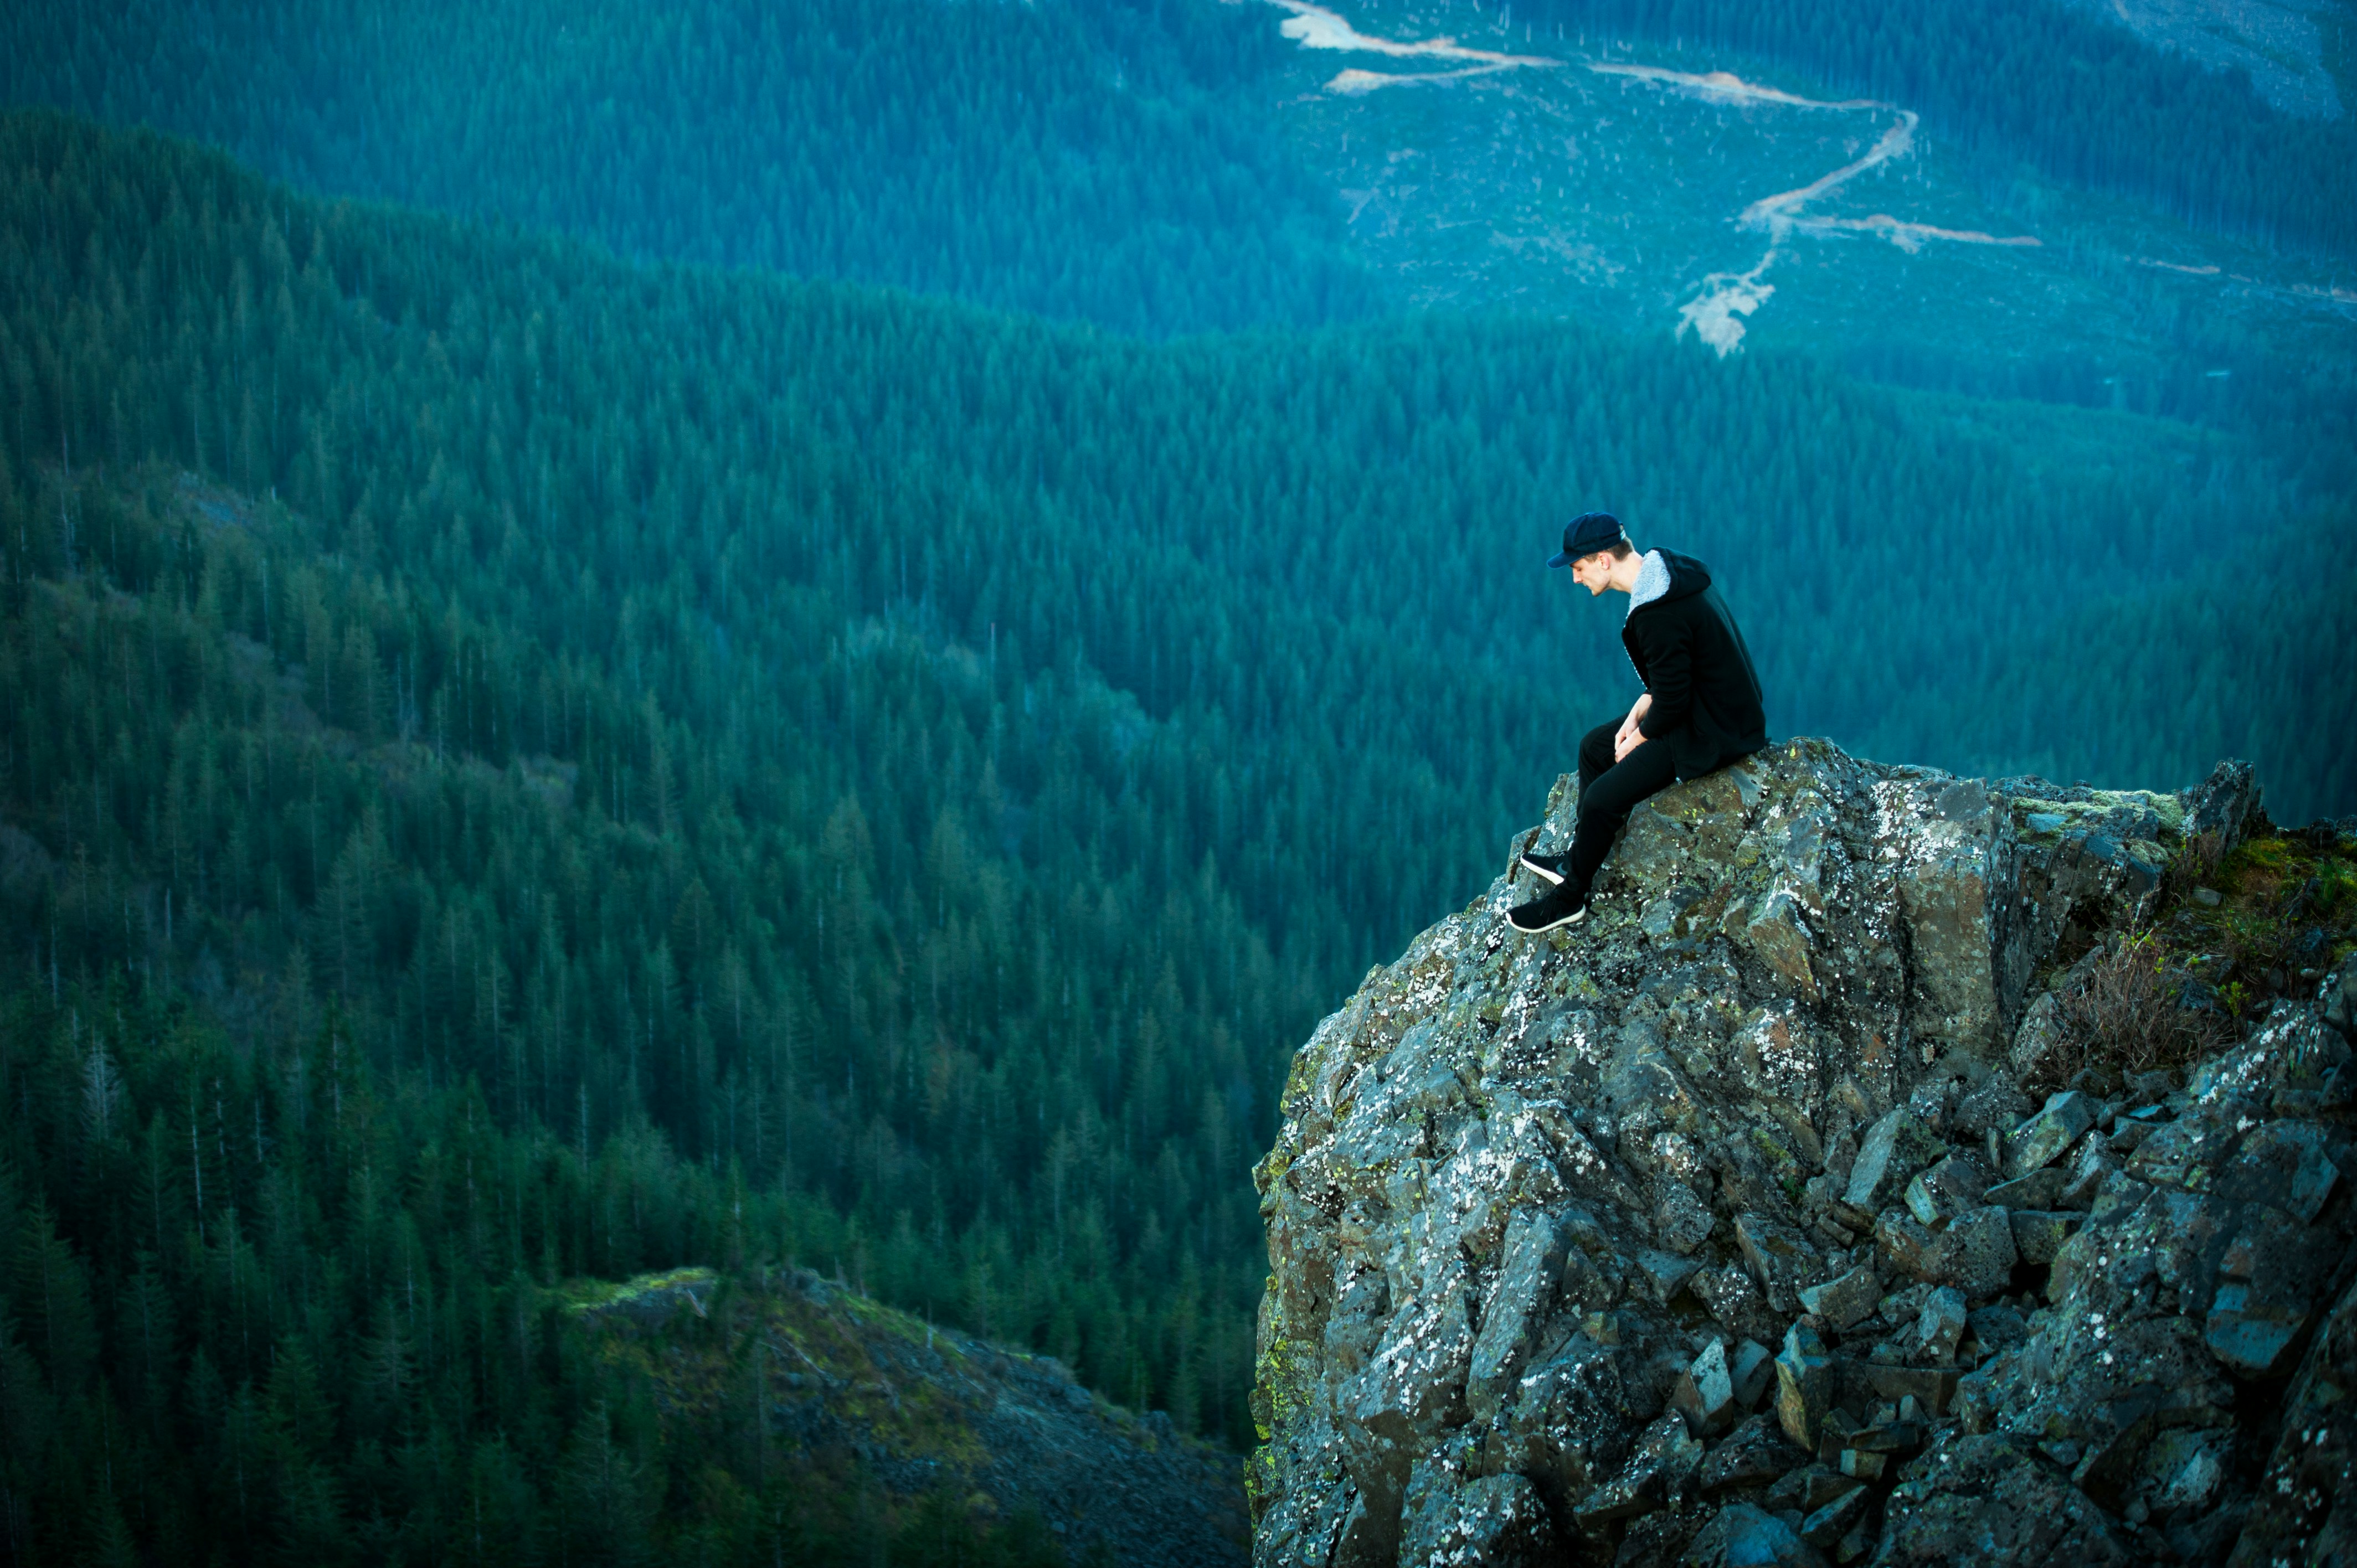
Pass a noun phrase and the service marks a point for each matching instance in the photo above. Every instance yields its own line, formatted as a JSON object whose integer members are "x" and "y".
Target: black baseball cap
{"x": 1585, "y": 535}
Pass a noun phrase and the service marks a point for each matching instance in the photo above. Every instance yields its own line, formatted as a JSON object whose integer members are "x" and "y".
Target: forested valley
{"x": 518, "y": 765}
{"x": 1106, "y": 162}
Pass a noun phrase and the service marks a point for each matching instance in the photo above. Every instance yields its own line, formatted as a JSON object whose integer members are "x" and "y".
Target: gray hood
{"x": 1652, "y": 581}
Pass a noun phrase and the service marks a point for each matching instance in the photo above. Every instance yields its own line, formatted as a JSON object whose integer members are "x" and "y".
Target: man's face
{"x": 1593, "y": 572}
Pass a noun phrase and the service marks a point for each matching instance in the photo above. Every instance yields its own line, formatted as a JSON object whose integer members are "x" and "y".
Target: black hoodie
{"x": 1691, "y": 659}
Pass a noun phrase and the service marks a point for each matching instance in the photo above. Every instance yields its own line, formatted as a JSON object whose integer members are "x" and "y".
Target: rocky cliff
{"x": 1894, "y": 1166}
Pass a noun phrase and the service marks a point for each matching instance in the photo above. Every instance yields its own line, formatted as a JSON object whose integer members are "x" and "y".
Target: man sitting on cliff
{"x": 1700, "y": 710}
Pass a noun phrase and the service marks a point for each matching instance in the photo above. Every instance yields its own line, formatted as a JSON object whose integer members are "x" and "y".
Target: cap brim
{"x": 1561, "y": 558}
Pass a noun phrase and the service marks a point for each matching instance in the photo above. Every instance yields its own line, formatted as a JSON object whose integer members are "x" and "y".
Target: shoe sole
{"x": 1541, "y": 872}
{"x": 1571, "y": 919}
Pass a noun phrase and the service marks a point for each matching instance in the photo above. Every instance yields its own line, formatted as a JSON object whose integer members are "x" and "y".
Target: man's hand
{"x": 1629, "y": 738}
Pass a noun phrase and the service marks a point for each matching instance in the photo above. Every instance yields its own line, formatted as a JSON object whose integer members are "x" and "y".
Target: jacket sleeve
{"x": 1669, "y": 673}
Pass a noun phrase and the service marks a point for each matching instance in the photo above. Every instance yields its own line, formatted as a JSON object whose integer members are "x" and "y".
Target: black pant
{"x": 1609, "y": 791}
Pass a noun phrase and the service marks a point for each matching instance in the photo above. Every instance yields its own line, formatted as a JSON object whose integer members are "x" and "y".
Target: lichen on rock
{"x": 1722, "y": 1228}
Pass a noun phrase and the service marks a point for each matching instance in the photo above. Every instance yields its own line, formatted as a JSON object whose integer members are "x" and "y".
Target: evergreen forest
{"x": 552, "y": 731}
{"x": 1077, "y": 160}
{"x": 1095, "y": 161}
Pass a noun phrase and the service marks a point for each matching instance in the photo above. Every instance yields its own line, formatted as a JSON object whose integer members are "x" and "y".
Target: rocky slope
{"x": 855, "y": 1395}
{"x": 1785, "y": 1213}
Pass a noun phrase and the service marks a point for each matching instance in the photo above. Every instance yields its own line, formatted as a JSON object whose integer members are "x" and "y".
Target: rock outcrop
{"x": 1726, "y": 1228}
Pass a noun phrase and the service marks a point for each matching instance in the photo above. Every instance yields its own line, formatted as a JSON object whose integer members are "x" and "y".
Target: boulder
{"x": 1570, "y": 1421}
{"x": 1733, "y": 1298}
{"x": 1955, "y": 902}
{"x": 1753, "y": 1368}
{"x": 1779, "y": 1256}
{"x": 1417, "y": 1375}
{"x": 1705, "y": 1395}
{"x": 2088, "y": 1168}
{"x": 1532, "y": 1266}
{"x": 2286, "y": 1164}
{"x": 1805, "y": 1490}
{"x": 1989, "y": 1501}
{"x": 2040, "y": 1188}
{"x": 1941, "y": 1324}
{"x": 1660, "y": 1275}
{"x": 2305, "y": 1507}
{"x": 1756, "y": 1453}
{"x": 1895, "y": 1149}
{"x": 1745, "y": 1536}
{"x": 2224, "y": 804}
{"x": 1804, "y": 1385}
{"x": 2039, "y": 1234}
{"x": 2337, "y": 997}
{"x": 1996, "y": 1104}
{"x": 2251, "y": 1336}
{"x": 2042, "y": 1034}
{"x": 1773, "y": 929}
{"x": 1902, "y": 1246}
{"x": 1945, "y": 1189}
{"x": 1846, "y": 1512}
{"x": 1497, "y": 1521}
{"x": 1997, "y": 1327}
{"x": 1682, "y": 1222}
{"x": 2038, "y": 1140}
{"x": 1933, "y": 1388}
{"x": 1844, "y": 1300}
{"x": 1656, "y": 1472}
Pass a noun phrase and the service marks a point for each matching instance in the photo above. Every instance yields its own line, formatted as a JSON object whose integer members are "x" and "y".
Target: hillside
{"x": 1103, "y": 161}
{"x": 859, "y": 1404}
{"x": 2079, "y": 92}
{"x": 1708, "y": 175}
{"x": 2018, "y": 200}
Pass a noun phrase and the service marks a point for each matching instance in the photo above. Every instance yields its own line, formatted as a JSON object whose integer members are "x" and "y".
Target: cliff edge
{"x": 1894, "y": 1166}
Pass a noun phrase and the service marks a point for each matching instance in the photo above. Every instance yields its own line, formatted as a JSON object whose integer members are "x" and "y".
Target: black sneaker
{"x": 1563, "y": 907}
{"x": 1553, "y": 867}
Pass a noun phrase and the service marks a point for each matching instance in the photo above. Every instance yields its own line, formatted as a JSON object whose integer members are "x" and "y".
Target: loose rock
{"x": 1941, "y": 1328}
{"x": 1804, "y": 1385}
{"x": 1976, "y": 1254}
{"x": 1496, "y": 1521}
{"x": 1705, "y": 1395}
{"x": 1984, "y": 1500}
{"x": 1895, "y": 1147}
{"x": 1842, "y": 1301}
{"x": 2039, "y": 1234}
{"x": 1754, "y": 1454}
{"x": 2040, "y": 1188}
{"x": 1743, "y": 1536}
{"x": 2038, "y": 1140}
{"x": 1944, "y": 1190}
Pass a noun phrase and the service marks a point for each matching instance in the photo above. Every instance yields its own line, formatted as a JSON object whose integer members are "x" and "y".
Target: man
{"x": 1700, "y": 709}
